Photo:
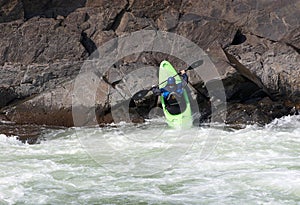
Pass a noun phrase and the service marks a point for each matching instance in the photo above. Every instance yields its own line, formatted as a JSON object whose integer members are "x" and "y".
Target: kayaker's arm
{"x": 165, "y": 93}
{"x": 162, "y": 91}
{"x": 179, "y": 89}
{"x": 184, "y": 75}
{"x": 156, "y": 90}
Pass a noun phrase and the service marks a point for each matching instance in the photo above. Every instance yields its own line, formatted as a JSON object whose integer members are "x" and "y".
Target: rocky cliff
{"x": 253, "y": 44}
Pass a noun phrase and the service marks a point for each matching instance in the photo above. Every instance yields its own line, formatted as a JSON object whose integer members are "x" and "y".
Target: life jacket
{"x": 174, "y": 99}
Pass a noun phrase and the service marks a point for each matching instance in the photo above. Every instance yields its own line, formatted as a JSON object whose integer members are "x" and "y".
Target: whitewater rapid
{"x": 151, "y": 164}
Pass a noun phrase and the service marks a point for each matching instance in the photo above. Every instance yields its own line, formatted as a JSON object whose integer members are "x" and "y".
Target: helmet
{"x": 171, "y": 81}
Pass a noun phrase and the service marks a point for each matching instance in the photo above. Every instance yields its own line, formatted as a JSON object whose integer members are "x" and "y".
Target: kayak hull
{"x": 183, "y": 119}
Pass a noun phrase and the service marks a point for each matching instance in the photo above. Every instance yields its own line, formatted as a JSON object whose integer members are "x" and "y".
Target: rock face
{"x": 254, "y": 46}
{"x": 276, "y": 63}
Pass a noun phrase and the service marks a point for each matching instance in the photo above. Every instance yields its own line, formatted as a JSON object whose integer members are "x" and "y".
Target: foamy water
{"x": 151, "y": 164}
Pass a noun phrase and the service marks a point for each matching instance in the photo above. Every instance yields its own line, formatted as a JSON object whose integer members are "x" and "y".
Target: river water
{"x": 151, "y": 164}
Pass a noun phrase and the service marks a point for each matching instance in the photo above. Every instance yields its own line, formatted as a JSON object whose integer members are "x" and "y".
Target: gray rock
{"x": 11, "y": 10}
{"x": 63, "y": 106}
{"x": 260, "y": 112}
{"x": 50, "y": 9}
{"x": 271, "y": 20}
{"x": 39, "y": 40}
{"x": 252, "y": 49}
{"x": 196, "y": 28}
{"x": 168, "y": 20}
{"x": 7, "y": 96}
{"x": 130, "y": 23}
{"x": 132, "y": 82}
{"x": 276, "y": 64}
{"x": 51, "y": 108}
{"x": 25, "y": 81}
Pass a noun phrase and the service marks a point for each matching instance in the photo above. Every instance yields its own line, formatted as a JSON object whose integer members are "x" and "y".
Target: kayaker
{"x": 172, "y": 89}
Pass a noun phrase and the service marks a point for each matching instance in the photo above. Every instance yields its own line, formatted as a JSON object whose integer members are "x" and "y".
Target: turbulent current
{"x": 152, "y": 164}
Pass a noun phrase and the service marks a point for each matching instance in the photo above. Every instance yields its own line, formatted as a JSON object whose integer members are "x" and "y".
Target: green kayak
{"x": 182, "y": 118}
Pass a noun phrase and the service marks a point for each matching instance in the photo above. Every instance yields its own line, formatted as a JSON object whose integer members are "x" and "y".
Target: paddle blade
{"x": 139, "y": 95}
{"x": 195, "y": 64}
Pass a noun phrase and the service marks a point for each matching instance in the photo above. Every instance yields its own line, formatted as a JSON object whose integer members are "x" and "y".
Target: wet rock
{"x": 241, "y": 114}
{"x": 30, "y": 134}
{"x": 260, "y": 112}
{"x": 26, "y": 134}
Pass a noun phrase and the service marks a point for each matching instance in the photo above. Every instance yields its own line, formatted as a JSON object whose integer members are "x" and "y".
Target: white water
{"x": 255, "y": 165}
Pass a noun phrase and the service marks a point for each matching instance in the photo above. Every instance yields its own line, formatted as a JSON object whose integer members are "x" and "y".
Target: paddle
{"x": 139, "y": 95}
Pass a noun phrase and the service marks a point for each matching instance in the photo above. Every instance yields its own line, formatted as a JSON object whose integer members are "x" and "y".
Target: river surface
{"x": 152, "y": 164}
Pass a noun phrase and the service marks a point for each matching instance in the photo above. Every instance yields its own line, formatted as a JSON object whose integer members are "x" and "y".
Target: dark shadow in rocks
{"x": 50, "y": 8}
{"x": 294, "y": 47}
{"x": 140, "y": 109}
{"x": 239, "y": 38}
{"x": 15, "y": 12}
{"x": 7, "y": 95}
{"x": 89, "y": 45}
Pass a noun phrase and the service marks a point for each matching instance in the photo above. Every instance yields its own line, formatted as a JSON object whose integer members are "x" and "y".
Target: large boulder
{"x": 49, "y": 108}
{"x": 64, "y": 106}
{"x": 275, "y": 63}
{"x": 267, "y": 19}
{"x": 39, "y": 40}
{"x": 19, "y": 81}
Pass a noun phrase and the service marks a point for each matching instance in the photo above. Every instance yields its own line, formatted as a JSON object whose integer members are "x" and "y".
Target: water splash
{"x": 257, "y": 165}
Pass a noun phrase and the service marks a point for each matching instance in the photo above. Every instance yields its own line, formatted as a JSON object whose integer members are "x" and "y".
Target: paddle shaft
{"x": 194, "y": 65}
{"x": 142, "y": 93}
